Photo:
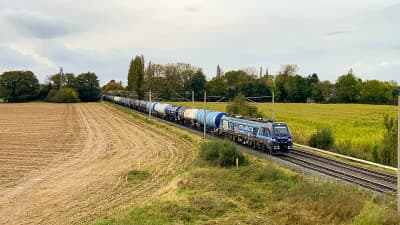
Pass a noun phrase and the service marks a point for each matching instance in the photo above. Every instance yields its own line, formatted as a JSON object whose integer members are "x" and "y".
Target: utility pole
{"x": 205, "y": 114}
{"x": 61, "y": 77}
{"x": 398, "y": 154}
{"x": 273, "y": 98}
{"x": 273, "y": 105}
{"x": 192, "y": 99}
{"x": 150, "y": 104}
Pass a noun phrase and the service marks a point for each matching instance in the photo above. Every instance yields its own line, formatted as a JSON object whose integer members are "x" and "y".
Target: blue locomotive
{"x": 267, "y": 136}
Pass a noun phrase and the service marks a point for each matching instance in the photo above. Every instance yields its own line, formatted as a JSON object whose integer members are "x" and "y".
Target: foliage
{"x": 296, "y": 88}
{"x": 388, "y": 152}
{"x": 68, "y": 80}
{"x": 65, "y": 95}
{"x": 216, "y": 87}
{"x": 198, "y": 83}
{"x": 221, "y": 153}
{"x": 88, "y": 87}
{"x": 322, "y": 139}
{"x": 136, "y": 75}
{"x": 376, "y": 92}
{"x": 112, "y": 85}
{"x": 241, "y": 106}
{"x": 44, "y": 90}
{"x": 176, "y": 81}
{"x": 348, "y": 88}
{"x": 18, "y": 86}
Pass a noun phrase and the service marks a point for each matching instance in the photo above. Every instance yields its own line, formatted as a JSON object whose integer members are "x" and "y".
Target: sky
{"x": 325, "y": 37}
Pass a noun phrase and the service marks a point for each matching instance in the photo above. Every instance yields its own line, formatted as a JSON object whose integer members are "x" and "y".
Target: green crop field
{"x": 357, "y": 128}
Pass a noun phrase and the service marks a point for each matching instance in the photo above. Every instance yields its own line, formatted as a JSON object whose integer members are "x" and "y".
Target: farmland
{"x": 357, "y": 128}
{"x": 70, "y": 163}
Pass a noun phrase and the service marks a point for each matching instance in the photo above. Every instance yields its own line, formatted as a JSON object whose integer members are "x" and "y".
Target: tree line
{"x": 21, "y": 86}
{"x": 176, "y": 81}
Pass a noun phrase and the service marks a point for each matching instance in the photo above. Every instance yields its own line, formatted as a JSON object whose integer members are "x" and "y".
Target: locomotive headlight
{"x": 289, "y": 139}
{"x": 273, "y": 139}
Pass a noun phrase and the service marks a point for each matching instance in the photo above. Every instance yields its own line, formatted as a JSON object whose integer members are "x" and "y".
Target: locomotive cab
{"x": 281, "y": 138}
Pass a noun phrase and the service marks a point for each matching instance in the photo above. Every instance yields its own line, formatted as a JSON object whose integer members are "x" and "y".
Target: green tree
{"x": 217, "y": 87}
{"x": 44, "y": 90}
{"x": 241, "y": 106}
{"x": 327, "y": 90}
{"x": 348, "y": 88}
{"x": 88, "y": 87}
{"x": 296, "y": 88}
{"x": 289, "y": 69}
{"x": 136, "y": 76}
{"x": 112, "y": 85}
{"x": 148, "y": 81}
{"x": 56, "y": 81}
{"x": 388, "y": 151}
{"x": 131, "y": 79}
{"x": 313, "y": 78}
{"x": 219, "y": 72}
{"x": 316, "y": 92}
{"x": 17, "y": 86}
{"x": 198, "y": 83}
{"x": 70, "y": 80}
{"x": 376, "y": 92}
{"x": 235, "y": 81}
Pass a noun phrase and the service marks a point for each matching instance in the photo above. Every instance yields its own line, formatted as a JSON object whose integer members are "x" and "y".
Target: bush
{"x": 241, "y": 106}
{"x": 323, "y": 139}
{"x": 221, "y": 153}
{"x": 65, "y": 95}
{"x": 388, "y": 148}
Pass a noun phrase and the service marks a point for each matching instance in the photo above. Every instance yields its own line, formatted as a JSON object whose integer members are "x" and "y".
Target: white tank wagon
{"x": 190, "y": 114}
{"x": 117, "y": 99}
{"x": 161, "y": 108}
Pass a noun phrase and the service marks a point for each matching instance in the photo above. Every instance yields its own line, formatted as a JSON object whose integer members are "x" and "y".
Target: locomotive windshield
{"x": 281, "y": 131}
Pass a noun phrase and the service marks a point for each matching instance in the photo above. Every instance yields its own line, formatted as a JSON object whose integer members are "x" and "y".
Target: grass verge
{"x": 259, "y": 192}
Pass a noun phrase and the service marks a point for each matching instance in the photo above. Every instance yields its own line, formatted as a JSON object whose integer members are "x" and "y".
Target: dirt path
{"x": 91, "y": 181}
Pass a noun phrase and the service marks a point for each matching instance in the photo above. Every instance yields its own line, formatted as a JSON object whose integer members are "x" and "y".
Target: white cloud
{"x": 36, "y": 57}
{"x": 389, "y": 64}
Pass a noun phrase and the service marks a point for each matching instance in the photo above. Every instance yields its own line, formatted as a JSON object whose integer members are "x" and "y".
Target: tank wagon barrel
{"x": 213, "y": 118}
{"x": 190, "y": 114}
{"x": 160, "y": 108}
{"x": 150, "y": 106}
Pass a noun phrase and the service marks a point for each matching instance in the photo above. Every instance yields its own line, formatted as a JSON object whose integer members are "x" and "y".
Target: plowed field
{"x": 66, "y": 164}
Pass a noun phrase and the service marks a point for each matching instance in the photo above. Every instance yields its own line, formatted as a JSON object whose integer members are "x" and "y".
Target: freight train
{"x": 267, "y": 136}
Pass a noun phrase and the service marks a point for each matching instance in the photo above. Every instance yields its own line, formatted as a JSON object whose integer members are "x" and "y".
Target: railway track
{"x": 367, "y": 178}
{"x": 370, "y": 179}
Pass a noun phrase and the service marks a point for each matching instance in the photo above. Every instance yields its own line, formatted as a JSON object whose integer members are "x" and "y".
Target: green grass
{"x": 357, "y": 128}
{"x": 259, "y": 193}
{"x": 135, "y": 176}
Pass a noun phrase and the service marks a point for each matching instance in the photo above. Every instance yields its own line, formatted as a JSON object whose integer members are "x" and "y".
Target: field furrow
{"x": 82, "y": 174}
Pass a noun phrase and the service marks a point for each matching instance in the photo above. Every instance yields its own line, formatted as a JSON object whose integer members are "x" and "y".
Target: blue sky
{"x": 323, "y": 37}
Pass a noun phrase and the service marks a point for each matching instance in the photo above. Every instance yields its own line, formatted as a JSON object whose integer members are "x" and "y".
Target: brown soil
{"x": 67, "y": 163}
